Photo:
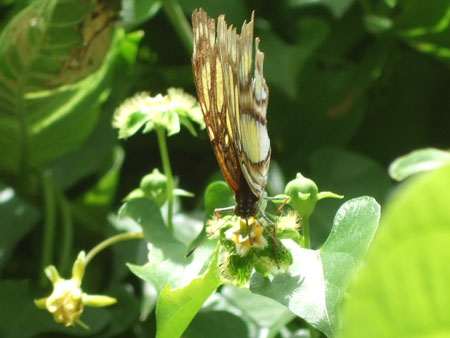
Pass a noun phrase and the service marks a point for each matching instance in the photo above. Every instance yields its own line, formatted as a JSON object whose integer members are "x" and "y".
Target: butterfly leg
{"x": 272, "y": 224}
{"x": 285, "y": 199}
{"x": 218, "y": 211}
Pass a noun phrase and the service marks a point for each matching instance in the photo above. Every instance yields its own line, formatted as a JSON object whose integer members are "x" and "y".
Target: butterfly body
{"x": 233, "y": 96}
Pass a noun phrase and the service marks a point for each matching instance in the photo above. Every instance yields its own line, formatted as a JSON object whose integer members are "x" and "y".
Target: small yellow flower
{"x": 67, "y": 300}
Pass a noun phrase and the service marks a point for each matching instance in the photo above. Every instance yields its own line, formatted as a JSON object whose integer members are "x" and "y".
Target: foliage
{"x": 353, "y": 86}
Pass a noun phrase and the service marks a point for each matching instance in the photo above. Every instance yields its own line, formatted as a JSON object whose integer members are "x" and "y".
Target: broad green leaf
{"x": 403, "y": 288}
{"x": 264, "y": 313}
{"x": 217, "y": 195}
{"x": 217, "y": 324}
{"x": 315, "y": 283}
{"x": 418, "y": 161}
{"x": 176, "y": 308}
{"x": 314, "y": 31}
{"x": 416, "y": 17}
{"x": 135, "y": 12}
{"x": 17, "y": 218}
{"x": 53, "y": 60}
{"x": 167, "y": 262}
{"x": 124, "y": 315}
{"x": 88, "y": 159}
{"x": 96, "y": 203}
{"x": 345, "y": 173}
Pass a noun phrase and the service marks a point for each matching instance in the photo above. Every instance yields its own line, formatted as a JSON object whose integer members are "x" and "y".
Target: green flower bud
{"x": 303, "y": 194}
{"x": 154, "y": 186}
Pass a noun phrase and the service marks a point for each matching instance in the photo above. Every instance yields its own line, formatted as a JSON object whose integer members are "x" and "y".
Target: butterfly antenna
{"x": 218, "y": 214}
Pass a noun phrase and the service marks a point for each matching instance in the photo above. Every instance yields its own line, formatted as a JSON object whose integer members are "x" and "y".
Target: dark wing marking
{"x": 209, "y": 81}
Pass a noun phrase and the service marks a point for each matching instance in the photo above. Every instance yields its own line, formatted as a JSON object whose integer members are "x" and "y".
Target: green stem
{"x": 161, "y": 132}
{"x": 49, "y": 225}
{"x": 67, "y": 235}
{"x": 110, "y": 241}
{"x": 183, "y": 28}
{"x": 306, "y": 236}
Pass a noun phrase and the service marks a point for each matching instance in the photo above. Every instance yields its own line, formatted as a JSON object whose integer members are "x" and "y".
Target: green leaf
{"x": 89, "y": 159}
{"x": 212, "y": 324}
{"x": 294, "y": 57}
{"x": 345, "y": 173}
{"x": 17, "y": 218}
{"x": 135, "y": 12}
{"x": 262, "y": 311}
{"x": 53, "y": 60}
{"x": 217, "y": 195}
{"x": 315, "y": 283}
{"x": 418, "y": 161}
{"x": 167, "y": 258}
{"x": 403, "y": 287}
{"x": 96, "y": 202}
{"x": 416, "y": 17}
{"x": 176, "y": 308}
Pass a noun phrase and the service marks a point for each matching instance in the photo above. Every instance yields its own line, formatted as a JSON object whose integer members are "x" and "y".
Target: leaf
{"x": 294, "y": 57}
{"x": 415, "y": 17}
{"x": 45, "y": 46}
{"x": 346, "y": 173}
{"x": 217, "y": 195}
{"x": 138, "y": 11}
{"x": 167, "y": 259}
{"x": 403, "y": 287}
{"x": 266, "y": 313}
{"x": 176, "y": 308}
{"x": 17, "y": 218}
{"x": 418, "y": 161}
{"x": 96, "y": 202}
{"x": 211, "y": 324}
{"x": 315, "y": 283}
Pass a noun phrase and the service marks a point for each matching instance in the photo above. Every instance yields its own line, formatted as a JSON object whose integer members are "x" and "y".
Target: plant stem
{"x": 49, "y": 225}
{"x": 183, "y": 28}
{"x": 67, "y": 235}
{"x": 161, "y": 132}
{"x": 110, "y": 241}
{"x": 306, "y": 236}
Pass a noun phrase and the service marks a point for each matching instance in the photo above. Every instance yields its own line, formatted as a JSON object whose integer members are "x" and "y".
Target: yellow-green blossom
{"x": 67, "y": 300}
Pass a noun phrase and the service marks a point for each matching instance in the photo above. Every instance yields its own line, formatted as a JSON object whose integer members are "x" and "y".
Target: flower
{"x": 160, "y": 111}
{"x": 68, "y": 300}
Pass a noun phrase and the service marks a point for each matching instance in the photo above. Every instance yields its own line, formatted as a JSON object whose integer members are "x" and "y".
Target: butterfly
{"x": 233, "y": 96}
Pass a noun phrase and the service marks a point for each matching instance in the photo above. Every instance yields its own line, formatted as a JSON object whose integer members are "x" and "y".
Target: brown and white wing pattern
{"x": 209, "y": 81}
{"x": 233, "y": 95}
{"x": 253, "y": 100}
{"x": 248, "y": 97}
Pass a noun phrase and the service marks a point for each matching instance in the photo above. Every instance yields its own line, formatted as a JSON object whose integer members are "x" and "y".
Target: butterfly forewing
{"x": 233, "y": 96}
{"x": 209, "y": 80}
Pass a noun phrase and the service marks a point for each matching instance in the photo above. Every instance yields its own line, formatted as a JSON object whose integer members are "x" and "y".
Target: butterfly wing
{"x": 248, "y": 97}
{"x": 209, "y": 81}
